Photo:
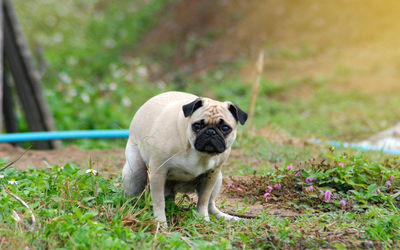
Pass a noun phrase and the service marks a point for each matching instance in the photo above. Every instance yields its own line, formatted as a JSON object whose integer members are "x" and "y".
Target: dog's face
{"x": 212, "y": 124}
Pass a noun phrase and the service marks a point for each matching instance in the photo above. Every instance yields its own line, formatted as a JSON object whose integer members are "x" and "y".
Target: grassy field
{"x": 93, "y": 80}
{"x": 77, "y": 208}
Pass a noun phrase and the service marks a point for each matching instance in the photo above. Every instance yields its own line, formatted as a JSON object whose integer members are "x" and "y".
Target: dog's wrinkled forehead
{"x": 213, "y": 112}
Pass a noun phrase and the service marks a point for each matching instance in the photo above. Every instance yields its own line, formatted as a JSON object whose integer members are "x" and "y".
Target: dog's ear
{"x": 188, "y": 109}
{"x": 239, "y": 114}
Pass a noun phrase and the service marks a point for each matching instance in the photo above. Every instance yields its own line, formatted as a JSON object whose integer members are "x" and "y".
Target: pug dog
{"x": 178, "y": 142}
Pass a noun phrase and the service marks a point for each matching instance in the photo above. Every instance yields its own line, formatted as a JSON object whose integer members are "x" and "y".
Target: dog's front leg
{"x": 157, "y": 185}
{"x": 204, "y": 192}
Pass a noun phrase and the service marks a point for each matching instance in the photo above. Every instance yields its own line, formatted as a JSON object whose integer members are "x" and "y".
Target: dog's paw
{"x": 234, "y": 218}
{"x": 229, "y": 217}
{"x": 221, "y": 215}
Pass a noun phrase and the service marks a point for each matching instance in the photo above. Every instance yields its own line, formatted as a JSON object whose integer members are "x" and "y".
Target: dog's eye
{"x": 225, "y": 128}
{"x": 197, "y": 126}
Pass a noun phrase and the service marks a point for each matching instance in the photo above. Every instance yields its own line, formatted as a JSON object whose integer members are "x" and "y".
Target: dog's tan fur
{"x": 162, "y": 141}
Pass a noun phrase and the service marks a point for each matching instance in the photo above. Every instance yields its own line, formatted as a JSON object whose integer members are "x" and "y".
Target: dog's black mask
{"x": 210, "y": 140}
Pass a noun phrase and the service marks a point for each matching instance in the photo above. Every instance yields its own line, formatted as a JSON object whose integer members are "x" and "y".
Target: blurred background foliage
{"x": 331, "y": 68}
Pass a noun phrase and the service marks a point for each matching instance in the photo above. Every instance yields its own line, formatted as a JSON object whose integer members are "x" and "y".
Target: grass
{"x": 76, "y": 209}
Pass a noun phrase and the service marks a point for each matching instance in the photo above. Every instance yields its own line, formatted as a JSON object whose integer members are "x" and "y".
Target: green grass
{"x": 75, "y": 209}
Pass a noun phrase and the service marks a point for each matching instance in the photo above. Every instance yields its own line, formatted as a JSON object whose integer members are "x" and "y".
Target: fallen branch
{"x": 32, "y": 227}
{"x": 187, "y": 241}
{"x": 14, "y": 161}
{"x": 244, "y": 216}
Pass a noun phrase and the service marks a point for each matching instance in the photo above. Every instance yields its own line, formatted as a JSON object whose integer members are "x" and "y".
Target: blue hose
{"x": 356, "y": 146}
{"x": 60, "y": 135}
{"x": 124, "y": 133}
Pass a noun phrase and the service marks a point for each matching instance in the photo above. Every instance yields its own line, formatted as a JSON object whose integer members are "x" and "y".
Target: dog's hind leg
{"x": 212, "y": 209}
{"x": 134, "y": 173}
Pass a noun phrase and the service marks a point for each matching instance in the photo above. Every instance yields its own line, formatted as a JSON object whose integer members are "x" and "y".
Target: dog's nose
{"x": 211, "y": 131}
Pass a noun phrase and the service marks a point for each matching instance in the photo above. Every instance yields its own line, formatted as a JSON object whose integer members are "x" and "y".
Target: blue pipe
{"x": 356, "y": 146}
{"x": 60, "y": 135}
{"x": 124, "y": 133}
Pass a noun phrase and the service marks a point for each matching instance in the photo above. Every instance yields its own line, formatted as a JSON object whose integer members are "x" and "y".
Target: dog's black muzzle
{"x": 211, "y": 141}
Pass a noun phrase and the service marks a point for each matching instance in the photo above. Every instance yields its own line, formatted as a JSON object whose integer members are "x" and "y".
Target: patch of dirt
{"x": 236, "y": 188}
{"x": 253, "y": 188}
{"x": 106, "y": 161}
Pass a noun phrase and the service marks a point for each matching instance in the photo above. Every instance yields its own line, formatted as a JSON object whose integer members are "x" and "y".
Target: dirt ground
{"x": 106, "y": 161}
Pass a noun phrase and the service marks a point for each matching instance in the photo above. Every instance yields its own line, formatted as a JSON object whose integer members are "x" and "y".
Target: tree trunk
{"x": 1, "y": 65}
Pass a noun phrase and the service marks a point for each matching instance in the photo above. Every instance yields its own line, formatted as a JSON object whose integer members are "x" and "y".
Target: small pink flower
{"x": 297, "y": 174}
{"x": 309, "y": 180}
{"x": 387, "y": 184}
{"x": 266, "y": 195}
{"x": 311, "y": 188}
{"x": 231, "y": 185}
{"x": 270, "y": 188}
{"x": 378, "y": 191}
{"x": 290, "y": 167}
{"x": 343, "y": 203}
{"x": 392, "y": 178}
{"x": 277, "y": 186}
{"x": 341, "y": 164}
{"x": 239, "y": 189}
{"x": 328, "y": 195}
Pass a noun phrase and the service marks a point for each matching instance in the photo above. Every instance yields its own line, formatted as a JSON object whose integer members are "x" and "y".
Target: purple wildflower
{"x": 309, "y": 180}
{"x": 239, "y": 189}
{"x": 297, "y": 174}
{"x": 266, "y": 195}
{"x": 341, "y": 164}
{"x": 277, "y": 186}
{"x": 270, "y": 188}
{"x": 378, "y": 191}
{"x": 290, "y": 167}
{"x": 328, "y": 195}
{"x": 387, "y": 184}
{"x": 343, "y": 203}
{"x": 311, "y": 188}
{"x": 391, "y": 178}
{"x": 231, "y": 185}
